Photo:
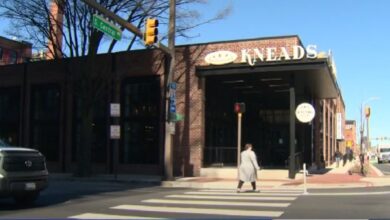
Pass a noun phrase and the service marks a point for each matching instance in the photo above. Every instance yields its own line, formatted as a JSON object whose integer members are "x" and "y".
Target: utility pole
{"x": 169, "y": 126}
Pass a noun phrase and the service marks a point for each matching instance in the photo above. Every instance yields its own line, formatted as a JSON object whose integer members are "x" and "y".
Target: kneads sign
{"x": 305, "y": 112}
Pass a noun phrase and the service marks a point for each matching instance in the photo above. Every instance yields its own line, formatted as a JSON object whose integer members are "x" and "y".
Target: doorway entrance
{"x": 265, "y": 122}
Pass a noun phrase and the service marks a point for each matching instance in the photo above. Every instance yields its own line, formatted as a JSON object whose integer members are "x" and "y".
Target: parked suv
{"x": 23, "y": 173}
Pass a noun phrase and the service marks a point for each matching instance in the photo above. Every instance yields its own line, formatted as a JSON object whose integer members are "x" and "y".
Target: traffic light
{"x": 151, "y": 31}
{"x": 239, "y": 107}
{"x": 367, "y": 112}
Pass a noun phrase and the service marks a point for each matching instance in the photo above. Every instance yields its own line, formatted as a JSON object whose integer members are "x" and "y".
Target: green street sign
{"x": 106, "y": 27}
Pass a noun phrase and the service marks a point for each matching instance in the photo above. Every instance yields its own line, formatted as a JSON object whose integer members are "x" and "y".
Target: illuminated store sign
{"x": 269, "y": 54}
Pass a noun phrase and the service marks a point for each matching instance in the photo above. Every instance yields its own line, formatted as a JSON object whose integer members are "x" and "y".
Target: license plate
{"x": 30, "y": 186}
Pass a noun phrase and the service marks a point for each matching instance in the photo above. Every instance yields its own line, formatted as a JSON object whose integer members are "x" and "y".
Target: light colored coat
{"x": 248, "y": 166}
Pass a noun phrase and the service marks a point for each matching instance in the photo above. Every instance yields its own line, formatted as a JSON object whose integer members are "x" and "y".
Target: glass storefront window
{"x": 141, "y": 101}
{"x": 45, "y": 120}
{"x": 13, "y": 57}
{"x": 99, "y": 131}
{"x": 10, "y": 114}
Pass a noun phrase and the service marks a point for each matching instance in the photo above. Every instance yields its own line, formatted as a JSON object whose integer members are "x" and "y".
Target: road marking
{"x": 244, "y": 193}
{"x": 105, "y": 216}
{"x": 349, "y": 193}
{"x": 229, "y": 212}
{"x": 216, "y": 203}
{"x": 261, "y": 190}
{"x": 257, "y": 198}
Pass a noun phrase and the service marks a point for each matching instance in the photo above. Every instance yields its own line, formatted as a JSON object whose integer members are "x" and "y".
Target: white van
{"x": 383, "y": 153}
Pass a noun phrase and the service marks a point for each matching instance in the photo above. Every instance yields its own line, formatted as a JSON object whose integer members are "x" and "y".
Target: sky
{"x": 356, "y": 31}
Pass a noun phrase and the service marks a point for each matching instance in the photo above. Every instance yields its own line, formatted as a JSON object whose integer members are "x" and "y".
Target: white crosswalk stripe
{"x": 106, "y": 216}
{"x": 224, "y": 202}
{"x": 272, "y": 190}
{"x": 239, "y": 196}
{"x": 230, "y": 212}
{"x": 216, "y": 203}
{"x": 243, "y": 194}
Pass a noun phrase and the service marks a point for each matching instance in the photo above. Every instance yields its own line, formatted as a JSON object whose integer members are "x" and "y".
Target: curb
{"x": 129, "y": 179}
{"x": 376, "y": 170}
{"x": 194, "y": 182}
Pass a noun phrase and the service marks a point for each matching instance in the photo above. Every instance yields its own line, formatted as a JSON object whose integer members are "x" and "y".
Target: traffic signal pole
{"x": 239, "y": 119}
{"x": 239, "y": 108}
{"x": 128, "y": 26}
{"x": 114, "y": 17}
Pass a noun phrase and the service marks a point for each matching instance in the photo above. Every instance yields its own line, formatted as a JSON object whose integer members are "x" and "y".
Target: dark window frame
{"x": 99, "y": 131}
{"x": 142, "y": 120}
{"x": 45, "y": 121}
{"x": 10, "y": 120}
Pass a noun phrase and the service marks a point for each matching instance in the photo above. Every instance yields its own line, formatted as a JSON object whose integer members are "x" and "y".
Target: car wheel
{"x": 27, "y": 198}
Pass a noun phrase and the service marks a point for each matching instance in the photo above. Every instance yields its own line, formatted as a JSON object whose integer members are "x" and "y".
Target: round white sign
{"x": 305, "y": 112}
{"x": 220, "y": 57}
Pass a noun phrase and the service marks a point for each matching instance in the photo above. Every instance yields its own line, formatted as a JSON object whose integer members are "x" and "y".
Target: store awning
{"x": 309, "y": 76}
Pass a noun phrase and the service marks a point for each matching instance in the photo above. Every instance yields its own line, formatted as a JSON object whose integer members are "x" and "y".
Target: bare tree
{"x": 32, "y": 20}
{"x": 71, "y": 35}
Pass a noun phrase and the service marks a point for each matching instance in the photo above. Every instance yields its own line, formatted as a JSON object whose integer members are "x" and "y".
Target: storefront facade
{"x": 272, "y": 76}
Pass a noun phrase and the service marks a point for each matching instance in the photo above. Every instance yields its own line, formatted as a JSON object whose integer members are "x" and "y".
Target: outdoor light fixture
{"x": 279, "y": 85}
{"x": 233, "y": 81}
{"x": 270, "y": 79}
{"x": 243, "y": 87}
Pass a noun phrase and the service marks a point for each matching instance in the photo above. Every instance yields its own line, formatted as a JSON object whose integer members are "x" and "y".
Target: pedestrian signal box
{"x": 239, "y": 107}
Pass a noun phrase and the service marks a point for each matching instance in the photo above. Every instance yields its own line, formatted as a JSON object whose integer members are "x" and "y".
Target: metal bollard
{"x": 304, "y": 180}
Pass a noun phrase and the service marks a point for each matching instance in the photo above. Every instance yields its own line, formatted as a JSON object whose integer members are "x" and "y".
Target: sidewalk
{"x": 330, "y": 177}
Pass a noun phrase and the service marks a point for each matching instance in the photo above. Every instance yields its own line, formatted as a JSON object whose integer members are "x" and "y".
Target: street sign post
{"x": 106, "y": 27}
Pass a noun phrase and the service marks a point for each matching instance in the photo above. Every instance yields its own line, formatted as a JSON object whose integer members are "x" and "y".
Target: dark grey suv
{"x": 23, "y": 173}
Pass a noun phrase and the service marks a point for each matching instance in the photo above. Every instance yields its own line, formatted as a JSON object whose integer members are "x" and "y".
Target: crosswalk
{"x": 269, "y": 203}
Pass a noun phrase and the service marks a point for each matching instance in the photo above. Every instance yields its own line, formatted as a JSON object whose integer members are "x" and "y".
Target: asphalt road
{"x": 340, "y": 206}
{"x": 384, "y": 167}
{"x": 64, "y": 199}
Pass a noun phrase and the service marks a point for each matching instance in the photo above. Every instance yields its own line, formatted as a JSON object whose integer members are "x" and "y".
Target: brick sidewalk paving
{"x": 335, "y": 178}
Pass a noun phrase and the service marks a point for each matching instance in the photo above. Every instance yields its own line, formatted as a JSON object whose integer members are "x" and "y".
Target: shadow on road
{"x": 62, "y": 191}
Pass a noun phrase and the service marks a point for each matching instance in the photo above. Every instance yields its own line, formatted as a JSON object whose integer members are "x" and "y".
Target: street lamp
{"x": 362, "y": 120}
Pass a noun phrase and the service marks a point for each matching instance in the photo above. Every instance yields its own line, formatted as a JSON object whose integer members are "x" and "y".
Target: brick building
{"x": 12, "y": 51}
{"x": 272, "y": 76}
